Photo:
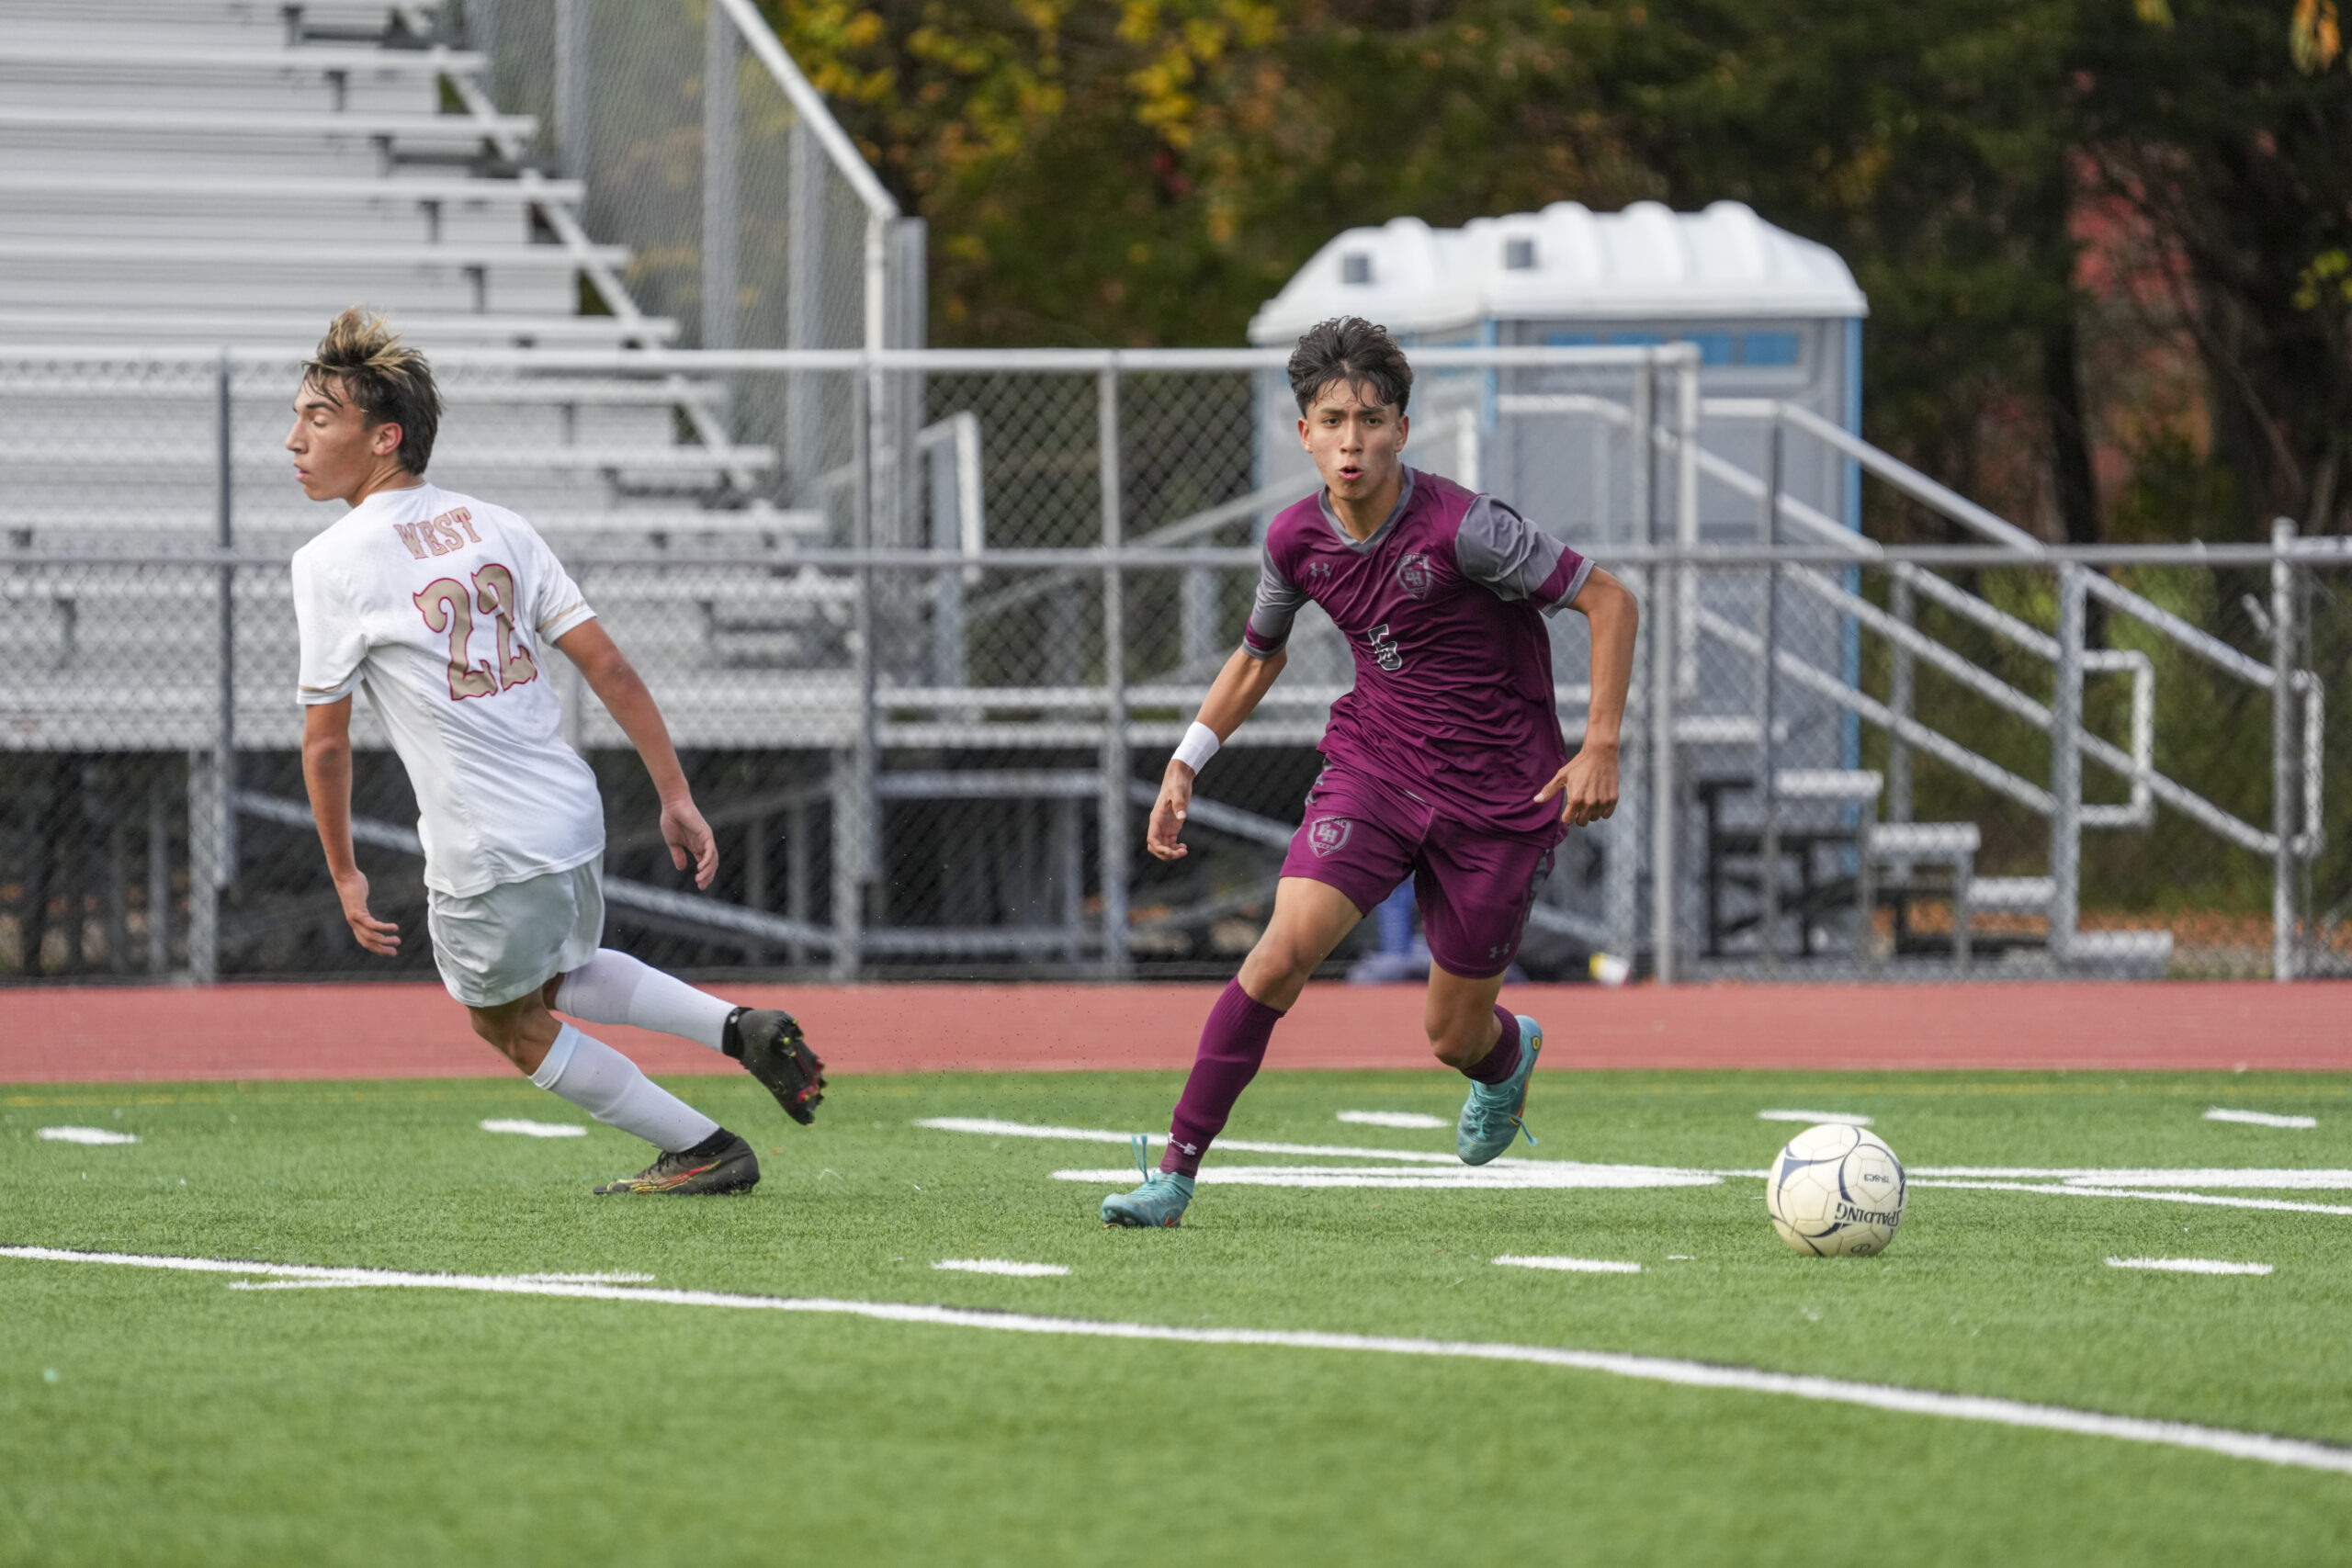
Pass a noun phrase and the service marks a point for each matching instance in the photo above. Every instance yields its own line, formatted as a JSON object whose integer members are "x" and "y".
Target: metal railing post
{"x": 2066, "y": 766}
{"x": 2285, "y": 776}
{"x": 1904, "y": 606}
{"x": 1113, "y": 808}
{"x": 720, "y": 183}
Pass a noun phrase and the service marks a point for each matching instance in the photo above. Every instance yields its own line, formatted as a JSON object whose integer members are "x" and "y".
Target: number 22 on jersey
{"x": 449, "y": 607}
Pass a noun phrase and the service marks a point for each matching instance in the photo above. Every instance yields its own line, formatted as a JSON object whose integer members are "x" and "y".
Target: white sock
{"x": 608, "y": 1086}
{"x": 612, "y": 987}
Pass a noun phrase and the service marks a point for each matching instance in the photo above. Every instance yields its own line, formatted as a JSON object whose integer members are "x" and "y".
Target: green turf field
{"x": 173, "y": 1417}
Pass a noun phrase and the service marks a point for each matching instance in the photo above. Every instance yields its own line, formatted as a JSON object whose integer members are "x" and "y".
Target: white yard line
{"x": 2260, "y": 1117}
{"x": 1497, "y": 1177}
{"x": 1571, "y": 1265}
{"x": 2261, "y": 1446}
{"x": 534, "y": 1129}
{"x": 2070, "y": 1190}
{"x": 1000, "y": 1266}
{"x": 86, "y": 1135}
{"x": 1402, "y": 1119}
{"x": 1671, "y": 1176}
{"x": 1817, "y": 1117}
{"x": 2083, "y": 1181}
{"x": 2188, "y": 1265}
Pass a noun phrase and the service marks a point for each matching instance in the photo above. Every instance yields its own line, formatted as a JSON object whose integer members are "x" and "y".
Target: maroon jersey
{"x": 1443, "y": 608}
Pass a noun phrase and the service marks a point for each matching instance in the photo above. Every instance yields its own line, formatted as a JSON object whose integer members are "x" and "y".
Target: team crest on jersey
{"x": 1330, "y": 834}
{"x": 1416, "y": 576}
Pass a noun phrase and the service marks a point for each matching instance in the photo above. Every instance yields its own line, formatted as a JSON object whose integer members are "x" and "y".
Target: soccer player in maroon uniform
{"x": 1443, "y": 764}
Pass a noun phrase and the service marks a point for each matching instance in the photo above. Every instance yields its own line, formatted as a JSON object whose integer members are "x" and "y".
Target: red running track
{"x": 118, "y": 1034}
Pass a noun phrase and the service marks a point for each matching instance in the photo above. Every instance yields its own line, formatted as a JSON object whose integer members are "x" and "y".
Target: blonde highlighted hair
{"x": 363, "y": 359}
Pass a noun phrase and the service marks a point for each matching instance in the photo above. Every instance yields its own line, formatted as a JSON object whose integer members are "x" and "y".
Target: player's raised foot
{"x": 1158, "y": 1204}
{"x": 721, "y": 1163}
{"x": 1494, "y": 1114}
{"x": 773, "y": 1050}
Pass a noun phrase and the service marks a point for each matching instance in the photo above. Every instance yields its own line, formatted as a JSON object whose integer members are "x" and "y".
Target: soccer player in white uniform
{"x": 442, "y": 608}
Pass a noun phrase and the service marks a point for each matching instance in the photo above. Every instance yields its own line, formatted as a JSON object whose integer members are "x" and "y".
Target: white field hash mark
{"x": 2260, "y": 1117}
{"x": 1815, "y": 1117}
{"x": 2261, "y": 1446}
{"x": 1451, "y": 1175}
{"x": 1001, "y": 1265}
{"x": 2188, "y": 1265}
{"x": 1412, "y": 1120}
{"x": 1570, "y": 1265}
{"x": 86, "y": 1135}
{"x": 534, "y": 1129}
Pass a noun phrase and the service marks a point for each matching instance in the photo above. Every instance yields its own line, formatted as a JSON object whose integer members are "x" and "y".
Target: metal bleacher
{"x": 242, "y": 171}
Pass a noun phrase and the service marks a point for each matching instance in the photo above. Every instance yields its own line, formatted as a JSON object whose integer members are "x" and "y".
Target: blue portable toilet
{"x": 1773, "y": 315}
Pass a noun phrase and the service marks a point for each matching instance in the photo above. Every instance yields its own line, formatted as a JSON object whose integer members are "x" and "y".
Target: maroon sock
{"x": 1233, "y": 1043}
{"x": 1503, "y": 1060}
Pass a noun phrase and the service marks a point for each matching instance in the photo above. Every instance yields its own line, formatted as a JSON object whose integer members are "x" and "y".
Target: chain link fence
{"x": 926, "y": 666}
{"x": 749, "y": 216}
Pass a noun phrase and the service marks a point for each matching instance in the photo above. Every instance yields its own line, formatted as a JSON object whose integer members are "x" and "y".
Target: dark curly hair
{"x": 1350, "y": 349}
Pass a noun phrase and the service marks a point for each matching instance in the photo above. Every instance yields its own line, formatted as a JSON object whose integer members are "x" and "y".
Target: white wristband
{"x": 1200, "y": 743}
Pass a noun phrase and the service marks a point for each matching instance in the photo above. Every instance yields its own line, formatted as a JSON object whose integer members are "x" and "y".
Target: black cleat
{"x": 721, "y": 1163}
{"x": 773, "y": 1050}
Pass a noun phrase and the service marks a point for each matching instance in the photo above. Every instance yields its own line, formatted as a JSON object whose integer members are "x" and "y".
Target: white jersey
{"x": 442, "y": 609}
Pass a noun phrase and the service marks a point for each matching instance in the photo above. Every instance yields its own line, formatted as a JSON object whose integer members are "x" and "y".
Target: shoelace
{"x": 1140, "y": 1146}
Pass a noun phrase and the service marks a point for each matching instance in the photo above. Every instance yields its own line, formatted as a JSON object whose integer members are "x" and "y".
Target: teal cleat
{"x": 1492, "y": 1116}
{"x": 1160, "y": 1202}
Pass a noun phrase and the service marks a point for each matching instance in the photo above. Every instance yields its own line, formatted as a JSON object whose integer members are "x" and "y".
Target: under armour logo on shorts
{"x": 1330, "y": 834}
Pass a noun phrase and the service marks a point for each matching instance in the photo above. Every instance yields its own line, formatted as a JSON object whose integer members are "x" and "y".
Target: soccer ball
{"x": 1836, "y": 1191}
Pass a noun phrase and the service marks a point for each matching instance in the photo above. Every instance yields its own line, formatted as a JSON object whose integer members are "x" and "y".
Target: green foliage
{"x": 1150, "y": 172}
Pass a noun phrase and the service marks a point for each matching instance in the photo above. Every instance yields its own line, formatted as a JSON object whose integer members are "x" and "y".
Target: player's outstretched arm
{"x": 618, "y": 686}
{"x": 326, "y": 774}
{"x": 1588, "y": 785}
{"x": 1233, "y": 697}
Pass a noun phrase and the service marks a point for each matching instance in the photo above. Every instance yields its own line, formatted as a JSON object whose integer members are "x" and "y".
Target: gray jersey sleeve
{"x": 1276, "y": 606}
{"x": 1515, "y": 561}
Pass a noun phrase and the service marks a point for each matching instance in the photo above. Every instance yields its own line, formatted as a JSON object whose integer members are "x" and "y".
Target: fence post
{"x": 212, "y": 779}
{"x": 1112, "y": 812}
{"x": 2285, "y": 780}
{"x": 1768, "y": 780}
{"x": 571, "y": 87}
{"x": 857, "y": 832}
{"x": 803, "y": 305}
{"x": 1686, "y": 516}
{"x": 1668, "y": 575}
{"x": 719, "y": 183}
{"x": 1665, "y": 642}
{"x": 2066, "y": 766}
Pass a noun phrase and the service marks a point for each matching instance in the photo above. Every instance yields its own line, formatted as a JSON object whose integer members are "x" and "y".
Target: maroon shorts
{"x": 1475, "y": 886}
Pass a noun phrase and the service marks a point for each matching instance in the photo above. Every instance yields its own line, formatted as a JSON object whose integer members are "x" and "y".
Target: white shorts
{"x": 510, "y": 940}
